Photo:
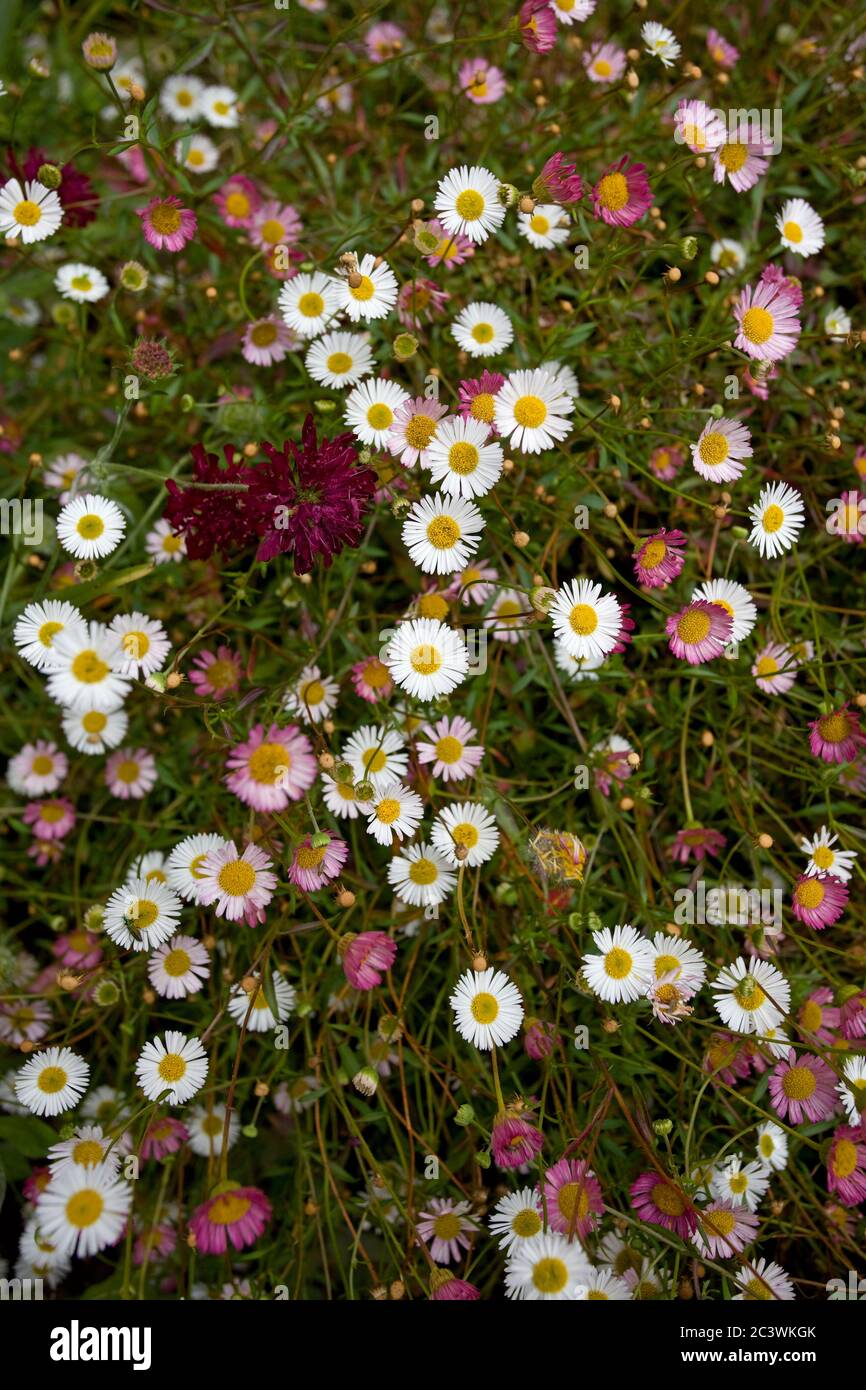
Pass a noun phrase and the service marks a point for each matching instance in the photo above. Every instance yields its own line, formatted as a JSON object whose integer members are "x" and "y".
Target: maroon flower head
{"x": 211, "y": 518}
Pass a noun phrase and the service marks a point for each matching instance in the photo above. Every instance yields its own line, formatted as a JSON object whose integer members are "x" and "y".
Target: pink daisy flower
{"x": 451, "y": 750}
{"x": 558, "y": 182}
{"x": 130, "y": 773}
{"x": 154, "y": 1242}
{"x": 241, "y": 885}
{"x": 789, "y": 285}
{"x": 78, "y": 949}
{"x": 271, "y": 768}
{"x": 659, "y": 561}
{"x": 480, "y": 81}
{"x": 267, "y": 341}
{"x": 850, "y": 517}
{"x": 698, "y": 126}
{"x": 853, "y": 1016}
{"x": 721, "y": 51}
{"x": 317, "y": 860}
{"x": 478, "y": 396}
{"x": 383, "y": 41}
{"x": 413, "y": 428}
{"x": 757, "y": 385}
{"x": 699, "y": 632}
{"x": 514, "y": 1142}
{"x": 741, "y": 163}
{"x": 662, "y": 1203}
{"x": 622, "y": 194}
{"x": 167, "y": 224}
{"x": 34, "y": 1185}
{"x": 604, "y": 62}
{"x": 453, "y": 248}
{"x": 819, "y": 900}
{"x": 420, "y": 301}
{"x": 24, "y": 1020}
{"x": 846, "y": 1166}
{"x": 372, "y": 680}
{"x": 446, "y": 1227}
{"x": 45, "y": 852}
{"x": 818, "y": 1016}
{"x": 767, "y": 321}
{"x": 38, "y": 769}
{"x": 726, "y": 1060}
{"x": 774, "y": 669}
{"x": 446, "y": 1287}
{"x": 666, "y": 463}
{"x": 367, "y": 957}
{"x": 697, "y": 842}
{"x": 50, "y": 820}
{"x": 802, "y": 1088}
{"x": 836, "y": 737}
{"x": 540, "y": 1039}
{"x": 724, "y": 1230}
{"x": 573, "y": 1199}
{"x": 614, "y": 765}
{"x": 217, "y": 675}
{"x": 275, "y": 224}
{"x": 238, "y": 201}
{"x": 164, "y": 1136}
{"x": 537, "y": 25}
{"x": 853, "y": 777}
{"x": 179, "y": 967}
{"x": 720, "y": 449}
{"x": 234, "y": 1214}
{"x": 475, "y": 584}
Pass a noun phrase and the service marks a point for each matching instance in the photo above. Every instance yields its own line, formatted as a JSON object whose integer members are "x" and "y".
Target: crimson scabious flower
{"x": 659, "y": 559}
{"x": 234, "y": 1213}
{"x": 515, "y": 1141}
{"x": 367, "y": 957}
{"x": 836, "y": 737}
{"x": 802, "y": 1088}
{"x": 572, "y": 1195}
{"x": 622, "y": 194}
{"x": 310, "y": 500}
{"x": 152, "y": 359}
{"x": 819, "y": 900}
{"x": 167, "y": 224}
{"x": 212, "y": 516}
{"x": 662, "y": 1203}
{"x": 699, "y": 632}
{"x": 537, "y": 24}
{"x": 558, "y": 182}
{"x": 695, "y": 840}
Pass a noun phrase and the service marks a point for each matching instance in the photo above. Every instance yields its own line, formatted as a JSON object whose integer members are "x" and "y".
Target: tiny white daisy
{"x": 465, "y": 833}
{"x": 371, "y": 407}
{"x": 531, "y": 410}
{"x": 313, "y": 697}
{"x": 837, "y": 324}
{"x": 660, "y": 42}
{"x": 185, "y": 864}
{"x": 751, "y": 996}
{"x": 83, "y": 1210}
{"x": 420, "y": 876}
{"x": 38, "y": 628}
{"x": 739, "y": 1183}
{"x": 394, "y": 810}
{"x": 144, "y": 642}
{"x": 735, "y": 600}
{"x": 340, "y": 359}
{"x": 177, "y": 1065}
{"x": 441, "y": 533}
{"x": 460, "y": 459}
{"x": 198, "y": 153}
{"x": 31, "y": 213}
{"x": 728, "y": 255}
{"x": 339, "y": 797}
{"x": 141, "y": 915}
{"x": 253, "y": 1010}
{"x": 488, "y": 1009}
{"x": 545, "y": 227}
{"x": 677, "y": 957}
{"x": 852, "y": 1089}
{"x": 586, "y": 620}
{"x": 624, "y": 968}
{"x": 308, "y": 303}
{"x": 163, "y": 546}
{"x": 82, "y": 283}
{"x": 772, "y": 1146}
{"x": 800, "y": 228}
{"x": 86, "y": 669}
{"x": 206, "y": 1128}
{"x": 777, "y": 519}
{"x": 218, "y": 105}
{"x": 95, "y": 730}
{"x": 517, "y": 1217}
{"x": 426, "y": 658}
{"x": 179, "y": 968}
{"x": 548, "y": 1268}
{"x": 180, "y": 96}
{"x": 90, "y": 527}
{"x": 482, "y": 329}
{"x": 823, "y": 859}
{"x": 374, "y": 297}
{"x": 88, "y": 1147}
{"x": 376, "y": 755}
{"x": 467, "y": 202}
{"x": 52, "y": 1081}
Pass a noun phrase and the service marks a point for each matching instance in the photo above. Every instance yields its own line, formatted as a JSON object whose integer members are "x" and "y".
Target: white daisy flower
{"x": 573, "y": 11}
{"x": 426, "y": 658}
{"x": 441, "y": 533}
{"x": 420, "y": 876}
{"x": 89, "y": 1147}
{"x": 126, "y": 74}
{"x": 751, "y": 996}
{"x": 218, "y": 105}
{"x": 548, "y": 1268}
{"x": 719, "y": 450}
{"x": 482, "y": 329}
{"x": 25, "y": 312}
{"x": 677, "y": 957}
{"x": 467, "y": 202}
{"x": 728, "y": 255}
{"x": 163, "y": 546}
{"x": 777, "y": 519}
{"x": 86, "y": 670}
{"x": 82, "y": 283}
{"x": 151, "y": 867}
{"x": 376, "y": 755}
{"x": 563, "y": 377}
{"x": 469, "y": 828}
{"x": 186, "y": 864}
{"x": 531, "y": 410}
{"x": 198, "y": 153}
{"x": 95, "y": 730}
{"x": 180, "y": 96}
{"x": 177, "y": 1065}
{"x": 624, "y": 969}
{"x": 837, "y": 324}
{"x": 772, "y": 1146}
{"x": 516, "y": 1218}
{"x": 460, "y": 459}
{"x": 83, "y": 1210}
{"x": 602, "y": 1285}
{"x": 308, "y": 303}
{"x": 394, "y": 810}
{"x": 339, "y": 797}
{"x": 144, "y": 643}
{"x": 67, "y": 473}
{"x": 38, "y": 628}
{"x": 206, "y": 1128}
{"x": 370, "y": 410}
{"x": 488, "y": 1009}
{"x": 39, "y": 1258}
{"x": 761, "y": 1280}
{"x": 735, "y": 600}
{"x": 741, "y": 1184}
{"x": 90, "y": 527}
{"x": 340, "y": 359}
{"x": 577, "y": 668}
{"x": 586, "y": 620}
{"x": 545, "y": 227}
{"x": 31, "y": 213}
{"x": 52, "y": 1081}
{"x": 313, "y": 697}
{"x": 823, "y": 859}
{"x": 374, "y": 297}
{"x": 851, "y": 1089}
{"x": 179, "y": 968}
{"x": 256, "y": 1013}
{"x": 660, "y": 42}
{"x": 142, "y": 914}
{"x": 800, "y": 228}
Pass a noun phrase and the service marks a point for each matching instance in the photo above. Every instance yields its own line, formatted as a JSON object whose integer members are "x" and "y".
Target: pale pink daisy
{"x": 275, "y": 224}
{"x": 267, "y": 341}
{"x": 699, "y": 127}
{"x": 819, "y": 900}
{"x": 178, "y": 967}
{"x": 384, "y": 40}
{"x": 721, "y": 51}
{"x": 699, "y": 632}
{"x": 271, "y": 768}
{"x": 573, "y": 1199}
{"x": 724, "y": 1230}
{"x": 317, "y": 860}
{"x": 130, "y": 773}
{"x": 720, "y": 449}
{"x": 241, "y": 885}
{"x": 604, "y": 62}
{"x": 802, "y": 1088}
{"x": 659, "y": 559}
{"x": 775, "y": 669}
{"x": 167, "y": 224}
{"x": 446, "y": 1227}
{"x": 454, "y": 248}
{"x": 217, "y": 675}
{"x": 480, "y": 81}
{"x": 38, "y": 769}
{"x": 50, "y": 820}
{"x": 741, "y": 163}
{"x": 413, "y": 429}
{"x": 768, "y": 322}
{"x": 451, "y": 750}
{"x": 372, "y": 680}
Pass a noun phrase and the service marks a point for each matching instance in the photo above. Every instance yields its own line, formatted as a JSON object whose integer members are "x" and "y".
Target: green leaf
{"x": 29, "y": 1135}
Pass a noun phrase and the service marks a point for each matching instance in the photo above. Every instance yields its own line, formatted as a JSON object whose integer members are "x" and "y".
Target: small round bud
{"x": 327, "y": 761}
{"x": 673, "y": 274}
{"x": 479, "y": 963}
{"x": 711, "y": 277}
{"x": 662, "y": 1127}
{"x": 708, "y": 738}
{"x": 49, "y": 175}
{"x": 405, "y": 346}
{"x": 464, "y": 1116}
{"x": 689, "y": 248}
{"x": 345, "y": 898}
{"x": 521, "y": 539}
{"x": 765, "y": 841}
{"x": 610, "y": 509}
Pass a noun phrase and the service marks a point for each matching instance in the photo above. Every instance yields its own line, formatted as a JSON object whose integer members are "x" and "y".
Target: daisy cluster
{"x": 434, "y": 672}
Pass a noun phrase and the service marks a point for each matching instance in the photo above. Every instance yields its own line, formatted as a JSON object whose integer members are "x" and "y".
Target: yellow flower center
{"x": 665, "y": 964}
{"x": 601, "y": 67}
{"x": 264, "y": 334}
{"x": 51, "y": 1080}
{"x": 810, "y": 893}
{"x": 47, "y": 632}
{"x": 482, "y": 407}
{"x": 539, "y": 224}
{"x": 432, "y": 606}
{"x": 668, "y": 1199}
{"x": 171, "y": 1067}
{"x": 420, "y": 430}
{"x": 693, "y": 627}
{"x": 84, "y": 1208}
{"x": 379, "y": 416}
{"x": 272, "y": 232}
{"x": 425, "y": 660}
{"x": 309, "y": 858}
{"x": 799, "y": 1083}
{"x": 236, "y": 879}
{"x": 733, "y": 157}
{"x": 269, "y": 763}
{"x": 823, "y": 856}
{"x": 470, "y": 205}
{"x": 87, "y": 1151}
{"x": 449, "y": 749}
{"x": 27, "y": 213}
{"x": 465, "y": 834}
{"x": 757, "y": 325}
{"x": 583, "y": 619}
{"x": 90, "y": 527}
{"x": 833, "y": 728}
{"x": 237, "y": 204}
{"x": 42, "y": 765}
{"x": 530, "y": 412}
{"x": 176, "y": 963}
{"x": 719, "y": 1223}
{"x": 773, "y": 518}
{"x": 165, "y": 219}
{"x": 613, "y": 192}
{"x": 374, "y": 760}
{"x": 443, "y": 532}
{"x": 339, "y": 363}
{"x": 767, "y": 666}
{"x": 313, "y": 693}
{"x": 364, "y": 291}
{"x": 713, "y": 449}
{"x": 136, "y": 645}
{"x": 94, "y": 721}
{"x": 88, "y": 668}
{"x": 550, "y": 1275}
{"x": 483, "y": 332}
{"x": 749, "y": 994}
{"x": 844, "y": 1158}
{"x": 446, "y": 1226}
{"x": 793, "y": 232}
{"x": 311, "y": 305}
{"x": 485, "y": 1008}
{"x": 228, "y": 1208}
{"x": 423, "y": 871}
{"x": 526, "y": 1223}
{"x": 617, "y": 963}
{"x": 388, "y": 810}
{"x": 127, "y": 771}
{"x": 653, "y": 554}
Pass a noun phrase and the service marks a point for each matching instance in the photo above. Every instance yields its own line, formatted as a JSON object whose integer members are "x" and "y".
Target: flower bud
{"x": 49, "y": 175}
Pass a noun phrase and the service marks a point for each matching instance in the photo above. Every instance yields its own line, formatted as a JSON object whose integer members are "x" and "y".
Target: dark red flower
{"x": 310, "y": 500}
{"x": 77, "y": 195}
{"x": 212, "y": 518}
